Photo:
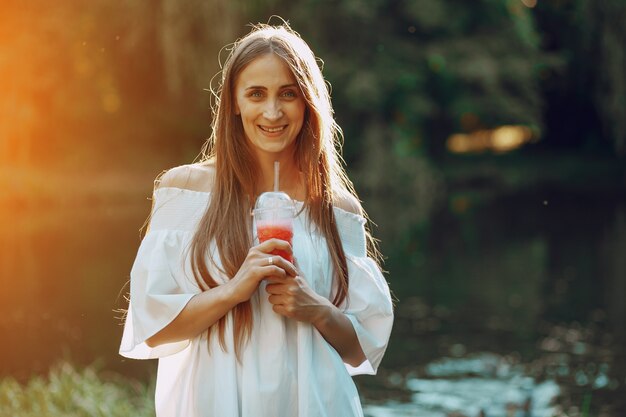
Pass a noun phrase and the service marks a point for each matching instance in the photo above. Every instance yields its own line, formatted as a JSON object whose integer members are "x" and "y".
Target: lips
{"x": 272, "y": 129}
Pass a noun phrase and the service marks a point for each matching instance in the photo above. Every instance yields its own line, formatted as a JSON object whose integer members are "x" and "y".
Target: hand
{"x": 292, "y": 297}
{"x": 260, "y": 264}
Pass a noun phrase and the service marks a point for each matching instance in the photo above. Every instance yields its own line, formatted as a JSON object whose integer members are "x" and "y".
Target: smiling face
{"x": 270, "y": 104}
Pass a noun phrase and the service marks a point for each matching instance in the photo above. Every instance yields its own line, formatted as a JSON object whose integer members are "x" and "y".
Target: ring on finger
{"x": 270, "y": 260}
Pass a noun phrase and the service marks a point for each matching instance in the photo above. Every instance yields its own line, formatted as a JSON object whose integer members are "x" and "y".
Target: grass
{"x": 70, "y": 392}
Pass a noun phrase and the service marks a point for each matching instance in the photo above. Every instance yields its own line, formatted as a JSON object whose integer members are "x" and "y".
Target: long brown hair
{"x": 227, "y": 219}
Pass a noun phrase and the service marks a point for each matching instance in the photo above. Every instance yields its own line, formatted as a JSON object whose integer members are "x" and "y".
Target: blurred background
{"x": 487, "y": 140}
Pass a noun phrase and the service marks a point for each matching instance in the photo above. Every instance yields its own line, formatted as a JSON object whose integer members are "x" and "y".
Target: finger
{"x": 276, "y": 287}
{"x": 289, "y": 268}
{"x": 272, "y": 288}
{"x": 296, "y": 267}
{"x": 273, "y": 244}
{"x": 276, "y": 299}
{"x": 281, "y": 262}
{"x": 282, "y": 310}
{"x": 275, "y": 281}
{"x": 273, "y": 271}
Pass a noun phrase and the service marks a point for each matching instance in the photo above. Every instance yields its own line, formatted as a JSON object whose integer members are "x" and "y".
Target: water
{"x": 514, "y": 308}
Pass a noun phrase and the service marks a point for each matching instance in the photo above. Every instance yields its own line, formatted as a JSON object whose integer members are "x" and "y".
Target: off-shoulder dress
{"x": 287, "y": 369}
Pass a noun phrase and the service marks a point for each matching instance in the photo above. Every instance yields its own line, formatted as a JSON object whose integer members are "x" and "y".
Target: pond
{"x": 515, "y": 309}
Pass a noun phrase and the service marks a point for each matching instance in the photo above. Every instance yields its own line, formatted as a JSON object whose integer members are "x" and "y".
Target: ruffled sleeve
{"x": 369, "y": 306}
{"x": 159, "y": 285}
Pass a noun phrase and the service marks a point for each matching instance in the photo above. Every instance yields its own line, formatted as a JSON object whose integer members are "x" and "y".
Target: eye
{"x": 289, "y": 94}
{"x": 255, "y": 94}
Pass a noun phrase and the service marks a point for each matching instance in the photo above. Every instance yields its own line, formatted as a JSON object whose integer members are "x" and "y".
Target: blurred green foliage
{"x": 104, "y": 76}
{"x": 69, "y": 392}
{"x": 427, "y": 69}
{"x": 406, "y": 75}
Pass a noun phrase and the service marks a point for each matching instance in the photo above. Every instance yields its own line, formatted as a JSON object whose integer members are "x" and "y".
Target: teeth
{"x": 273, "y": 129}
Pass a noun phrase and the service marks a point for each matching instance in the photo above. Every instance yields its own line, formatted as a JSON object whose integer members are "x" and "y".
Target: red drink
{"x": 276, "y": 229}
{"x": 274, "y": 213}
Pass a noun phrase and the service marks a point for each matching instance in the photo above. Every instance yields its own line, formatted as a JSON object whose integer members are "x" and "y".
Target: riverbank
{"x": 67, "y": 391}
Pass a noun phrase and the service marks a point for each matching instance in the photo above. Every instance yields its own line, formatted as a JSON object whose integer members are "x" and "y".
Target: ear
{"x": 237, "y": 110}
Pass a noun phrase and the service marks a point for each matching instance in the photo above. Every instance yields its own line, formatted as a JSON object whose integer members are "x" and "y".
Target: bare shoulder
{"x": 195, "y": 177}
{"x": 348, "y": 202}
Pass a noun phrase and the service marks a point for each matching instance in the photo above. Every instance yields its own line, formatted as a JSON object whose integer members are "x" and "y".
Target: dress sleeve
{"x": 368, "y": 306}
{"x": 159, "y": 288}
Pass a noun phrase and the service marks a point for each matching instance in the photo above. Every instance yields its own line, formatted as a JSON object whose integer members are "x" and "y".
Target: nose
{"x": 272, "y": 110}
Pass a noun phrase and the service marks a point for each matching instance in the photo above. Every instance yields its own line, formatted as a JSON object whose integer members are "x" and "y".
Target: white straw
{"x": 276, "y": 170}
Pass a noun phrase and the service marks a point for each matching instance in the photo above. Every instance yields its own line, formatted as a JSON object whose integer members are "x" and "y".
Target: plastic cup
{"x": 273, "y": 216}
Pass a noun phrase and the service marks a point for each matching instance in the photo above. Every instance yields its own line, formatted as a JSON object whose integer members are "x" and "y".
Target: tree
{"x": 586, "y": 96}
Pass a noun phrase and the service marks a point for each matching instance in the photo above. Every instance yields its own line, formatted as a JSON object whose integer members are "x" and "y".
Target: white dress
{"x": 287, "y": 367}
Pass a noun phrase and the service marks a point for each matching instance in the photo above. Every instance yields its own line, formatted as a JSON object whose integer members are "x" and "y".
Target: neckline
{"x": 298, "y": 202}
{"x": 203, "y": 193}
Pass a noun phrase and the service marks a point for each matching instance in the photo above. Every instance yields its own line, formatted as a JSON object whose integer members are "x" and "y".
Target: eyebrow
{"x": 260, "y": 87}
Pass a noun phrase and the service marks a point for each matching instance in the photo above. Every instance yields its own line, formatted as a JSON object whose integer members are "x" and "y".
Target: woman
{"x": 238, "y": 331}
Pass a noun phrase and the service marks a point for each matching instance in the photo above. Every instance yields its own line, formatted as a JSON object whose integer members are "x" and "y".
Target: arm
{"x": 337, "y": 330}
{"x": 206, "y": 308}
{"x": 293, "y": 298}
{"x": 200, "y": 313}
{"x": 333, "y": 324}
